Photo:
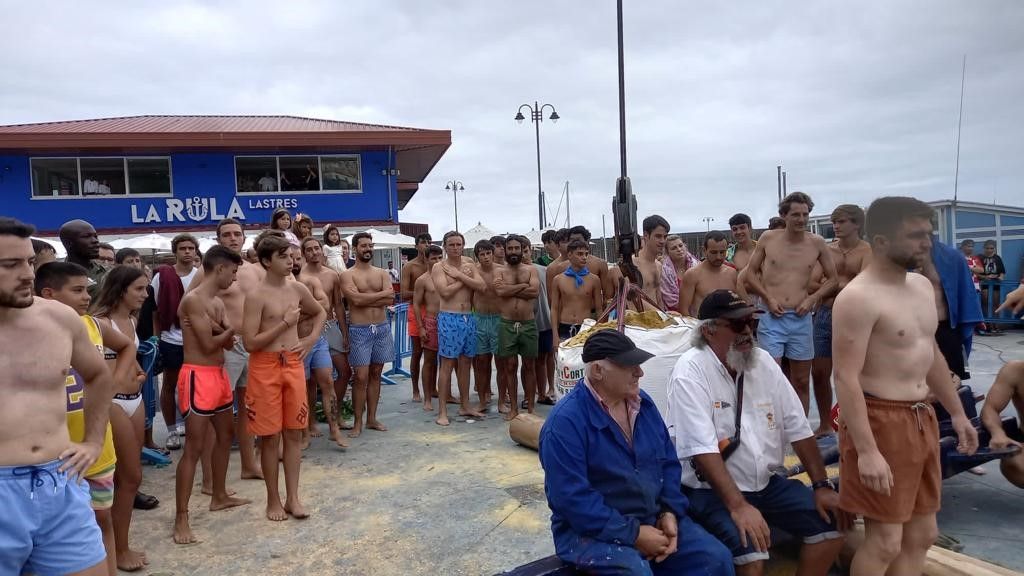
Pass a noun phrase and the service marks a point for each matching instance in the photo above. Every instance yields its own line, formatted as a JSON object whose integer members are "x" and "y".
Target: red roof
{"x": 417, "y": 150}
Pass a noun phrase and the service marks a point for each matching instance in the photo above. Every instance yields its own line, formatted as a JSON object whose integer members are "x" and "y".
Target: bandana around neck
{"x": 577, "y": 275}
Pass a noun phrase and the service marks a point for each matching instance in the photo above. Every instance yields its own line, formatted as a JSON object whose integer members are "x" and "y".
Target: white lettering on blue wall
{"x": 195, "y": 209}
{"x": 273, "y": 203}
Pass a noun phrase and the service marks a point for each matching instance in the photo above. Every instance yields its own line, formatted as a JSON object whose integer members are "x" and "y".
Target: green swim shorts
{"x": 517, "y": 338}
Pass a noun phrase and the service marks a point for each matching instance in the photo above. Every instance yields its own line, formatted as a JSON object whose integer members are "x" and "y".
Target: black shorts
{"x": 172, "y": 356}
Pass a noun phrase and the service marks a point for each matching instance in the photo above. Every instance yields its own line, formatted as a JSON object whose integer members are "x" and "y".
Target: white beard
{"x": 740, "y": 361}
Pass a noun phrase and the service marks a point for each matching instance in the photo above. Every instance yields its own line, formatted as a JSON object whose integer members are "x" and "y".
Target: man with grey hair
{"x": 731, "y": 414}
{"x": 611, "y": 478}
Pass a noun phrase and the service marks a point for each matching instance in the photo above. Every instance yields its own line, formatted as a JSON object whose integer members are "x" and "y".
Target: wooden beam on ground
{"x": 525, "y": 429}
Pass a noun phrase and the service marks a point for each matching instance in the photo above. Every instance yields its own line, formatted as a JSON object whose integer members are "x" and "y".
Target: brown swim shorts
{"x": 907, "y": 435}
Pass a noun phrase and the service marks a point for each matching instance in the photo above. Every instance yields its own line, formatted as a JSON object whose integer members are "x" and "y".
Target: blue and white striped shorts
{"x": 370, "y": 344}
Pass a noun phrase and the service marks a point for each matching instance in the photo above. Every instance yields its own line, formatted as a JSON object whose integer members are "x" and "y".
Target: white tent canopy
{"x": 152, "y": 241}
{"x": 210, "y": 241}
{"x": 388, "y": 240}
{"x": 534, "y": 237}
{"x": 476, "y": 234}
{"x": 58, "y": 248}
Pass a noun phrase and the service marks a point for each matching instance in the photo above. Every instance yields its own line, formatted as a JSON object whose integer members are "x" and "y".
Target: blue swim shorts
{"x": 487, "y": 333}
{"x": 48, "y": 526}
{"x": 370, "y": 344}
{"x": 456, "y": 334}
{"x": 785, "y": 503}
{"x": 319, "y": 356}
{"x": 787, "y": 336}
{"x": 823, "y": 332}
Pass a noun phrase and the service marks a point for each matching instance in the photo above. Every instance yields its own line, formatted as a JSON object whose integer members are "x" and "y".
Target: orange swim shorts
{"x": 275, "y": 398}
{"x": 907, "y": 435}
{"x": 414, "y": 330}
{"x": 203, "y": 390}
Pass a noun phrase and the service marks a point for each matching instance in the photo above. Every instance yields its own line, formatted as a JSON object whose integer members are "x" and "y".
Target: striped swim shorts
{"x": 370, "y": 344}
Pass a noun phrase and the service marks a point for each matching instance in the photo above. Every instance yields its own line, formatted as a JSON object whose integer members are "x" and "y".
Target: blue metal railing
{"x": 398, "y": 317}
{"x": 997, "y": 291}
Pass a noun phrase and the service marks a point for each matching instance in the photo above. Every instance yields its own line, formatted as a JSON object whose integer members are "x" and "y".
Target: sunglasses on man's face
{"x": 739, "y": 324}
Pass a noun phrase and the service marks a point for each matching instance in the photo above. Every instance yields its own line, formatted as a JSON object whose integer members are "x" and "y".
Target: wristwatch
{"x": 826, "y": 483}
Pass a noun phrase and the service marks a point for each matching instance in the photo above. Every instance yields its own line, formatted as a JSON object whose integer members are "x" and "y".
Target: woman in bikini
{"x": 119, "y": 300}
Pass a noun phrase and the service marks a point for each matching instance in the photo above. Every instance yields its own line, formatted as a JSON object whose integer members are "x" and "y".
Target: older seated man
{"x": 612, "y": 478}
{"x": 731, "y": 413}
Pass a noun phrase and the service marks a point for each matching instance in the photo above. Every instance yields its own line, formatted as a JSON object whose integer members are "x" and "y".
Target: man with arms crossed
{"x": 411, "y": 271}
{"x": 575, "y": 294}
{"x": 369, "y": 293}
{"x": 275, "y": 400}
{"x": 204, "y": 393}
{"x": 851, "y": 255}
{"x": 455, "y": 281}
{"x": 47, "y": 526}
{"x": 487, "y": 313}
{"x": 886, "y": 361}
{"x": 779, "y": 272}
{"x": 710, "y": 275}
{"x": 426, "y": 303}
{"x": 656, "y": 231}
{"x": 518, "y": 286}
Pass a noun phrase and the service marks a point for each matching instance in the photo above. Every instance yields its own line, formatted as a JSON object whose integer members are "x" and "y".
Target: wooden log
{"x": 524, "y": 429}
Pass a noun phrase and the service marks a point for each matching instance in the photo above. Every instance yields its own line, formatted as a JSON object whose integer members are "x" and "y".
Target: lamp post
{"x": 537, "y": 116}
{"x": 455, "y": 186}
{"x": 708, "y": 220}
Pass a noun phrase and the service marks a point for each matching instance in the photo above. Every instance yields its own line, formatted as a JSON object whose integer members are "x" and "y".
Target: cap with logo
{"x": 615, "y": 346}
{"x": 724, "y": 304}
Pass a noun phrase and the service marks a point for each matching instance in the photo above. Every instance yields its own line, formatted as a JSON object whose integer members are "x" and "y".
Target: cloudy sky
{"x": 856, "y": 100}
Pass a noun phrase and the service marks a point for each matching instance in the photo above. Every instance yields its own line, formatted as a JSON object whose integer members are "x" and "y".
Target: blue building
{"x": 177, "y": 173}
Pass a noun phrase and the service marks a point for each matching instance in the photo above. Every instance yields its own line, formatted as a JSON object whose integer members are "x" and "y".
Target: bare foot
{"x": 182, "y": 531}
{"x": 511, "y": 415}
{"x": 416, "y": 398}
{"x": 428, "y": 406}
{"x": 471, "y": 414}
{"x": 130, "y": 560}
{"x": 306, "y": 440}
{"x": 315, "y": 432}
{"x": 254, "y": 474}
{"x": 225, "y": 503}
{"x": 503, "y": 408}
{"x": 209, "y": 491}
{"x": 345, "y": 425}
{"x": 296, "y": 509}
{"x": 482, "y": 408}
{"x": 454, "y": 400}
{"x": 356, "y": 431}
{"x": 338, "y": 439}
{"x": 376, "y": 425}
{"x": 442, "y": 421}
{"x": 276, "y": 513}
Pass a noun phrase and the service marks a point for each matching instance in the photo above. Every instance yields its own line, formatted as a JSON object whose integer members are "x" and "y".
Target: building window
{"x": 274, "y": 174}
{"x": 100, "y": 177}
{"x": 54, "y": 177}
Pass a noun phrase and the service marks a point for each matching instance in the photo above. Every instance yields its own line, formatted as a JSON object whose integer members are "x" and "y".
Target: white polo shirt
{"x": 701, "y": 411}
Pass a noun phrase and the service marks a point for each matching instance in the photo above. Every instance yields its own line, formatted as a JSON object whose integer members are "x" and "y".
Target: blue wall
{"x": 209, "y": 177}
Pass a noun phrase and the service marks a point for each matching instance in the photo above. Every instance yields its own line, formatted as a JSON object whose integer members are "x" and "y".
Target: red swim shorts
{"x": 203, "y": 390}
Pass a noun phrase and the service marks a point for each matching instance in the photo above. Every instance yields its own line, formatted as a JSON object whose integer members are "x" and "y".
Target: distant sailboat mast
{"x": 959, "y": 126}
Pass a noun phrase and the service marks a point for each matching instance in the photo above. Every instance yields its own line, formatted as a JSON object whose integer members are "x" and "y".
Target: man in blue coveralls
{"x": 612, "y": 477}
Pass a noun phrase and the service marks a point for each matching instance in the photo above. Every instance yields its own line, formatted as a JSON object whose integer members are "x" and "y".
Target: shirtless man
{"x": 575, "y": 294}
{"x": 779, "y": 272}
{"x": 595, "y": 265}
{"x": 411, "y": 271}
{"x": 47, "y": 526}
{"x": 487, "y": 313}
{"x": 710, "y": 275}
{"x": 317, "y": 363}
{"x": 455, "y": 281}
{"x": 851, "y": 255}
{"x": 204, "y": 393}
{"x": 426, "y": 303}
{"x": 743, "y": 246}
{"x": 886, "y": 361}
{"x": 1008, "y": 387}
{"x": 236, "y": 359}
{"x": 656, "y": 231}
{"x": 336, "y": 331}
{"x": 499, "y": 250}
{"x": 275, "y": 399}
{"x": 369, "y": 292}
{"x": 518, "y": 286}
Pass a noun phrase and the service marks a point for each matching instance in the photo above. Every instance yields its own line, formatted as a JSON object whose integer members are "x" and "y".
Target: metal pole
{"x": 602, "y": 217}
{"x": 778, "y": 173}
{"x": 455, "y": 193}
{"x": 540, "y": 194}
{"x": 784, "y": 189}
{"x": 959, "y": 124}
{"x": 622, "y": 96}
{"x": 604, "y": 238}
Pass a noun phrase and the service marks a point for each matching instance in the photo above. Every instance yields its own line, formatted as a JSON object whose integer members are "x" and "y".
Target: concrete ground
{"x": 463, "y": 500}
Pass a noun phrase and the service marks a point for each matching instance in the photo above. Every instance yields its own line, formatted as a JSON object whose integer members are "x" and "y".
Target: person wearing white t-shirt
{"x": 172, "y": 356}
{"x": 729, "y": 470}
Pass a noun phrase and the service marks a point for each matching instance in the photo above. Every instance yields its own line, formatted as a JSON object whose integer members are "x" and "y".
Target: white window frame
{"x": 320, "y": 174}
{"x": 127, "y": 180}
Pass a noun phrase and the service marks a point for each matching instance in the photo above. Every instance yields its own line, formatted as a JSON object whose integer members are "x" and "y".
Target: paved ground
{"x": 464, "y": 500}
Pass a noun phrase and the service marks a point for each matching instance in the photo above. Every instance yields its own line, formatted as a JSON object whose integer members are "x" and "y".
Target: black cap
{"x": 724, "y": 304}
{"x": 615, "y": 346}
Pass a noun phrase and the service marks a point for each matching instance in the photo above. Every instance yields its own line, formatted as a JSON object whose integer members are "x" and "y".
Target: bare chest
{"x": 784, "y": 258}
{"x": 27, "y": 368}
{"x": 368, "y": 281}
{"x": 277, "y": 301}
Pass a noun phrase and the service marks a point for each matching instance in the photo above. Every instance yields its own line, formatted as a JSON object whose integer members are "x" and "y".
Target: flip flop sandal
{"x": 173, "y": 442}
{"x": 547, "y": 401}
{"x": 145, "y": 501}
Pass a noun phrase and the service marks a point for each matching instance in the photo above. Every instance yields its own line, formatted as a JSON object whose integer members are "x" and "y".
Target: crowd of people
{"x": 246, "y": 340}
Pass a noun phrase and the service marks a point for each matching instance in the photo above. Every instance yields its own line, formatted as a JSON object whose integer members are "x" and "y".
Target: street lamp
{"x": 455, "y": 186}
{"x": 537, "y": 116}
{"x": 708, "y": 220}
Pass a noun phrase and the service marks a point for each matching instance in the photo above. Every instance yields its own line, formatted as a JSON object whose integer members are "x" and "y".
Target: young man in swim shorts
{"x": 518, "y": 286}
{"x": 411, "y": 272}
{"x": 204, "y": 392}
{"x": 426, "y": 303}
{"x": 886, "y": 362}
{"x": 487, "y": 314}
{"x": 276, "y": 396}
{"x": 369, "y": 292}
{"x": 47, "y": 526}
